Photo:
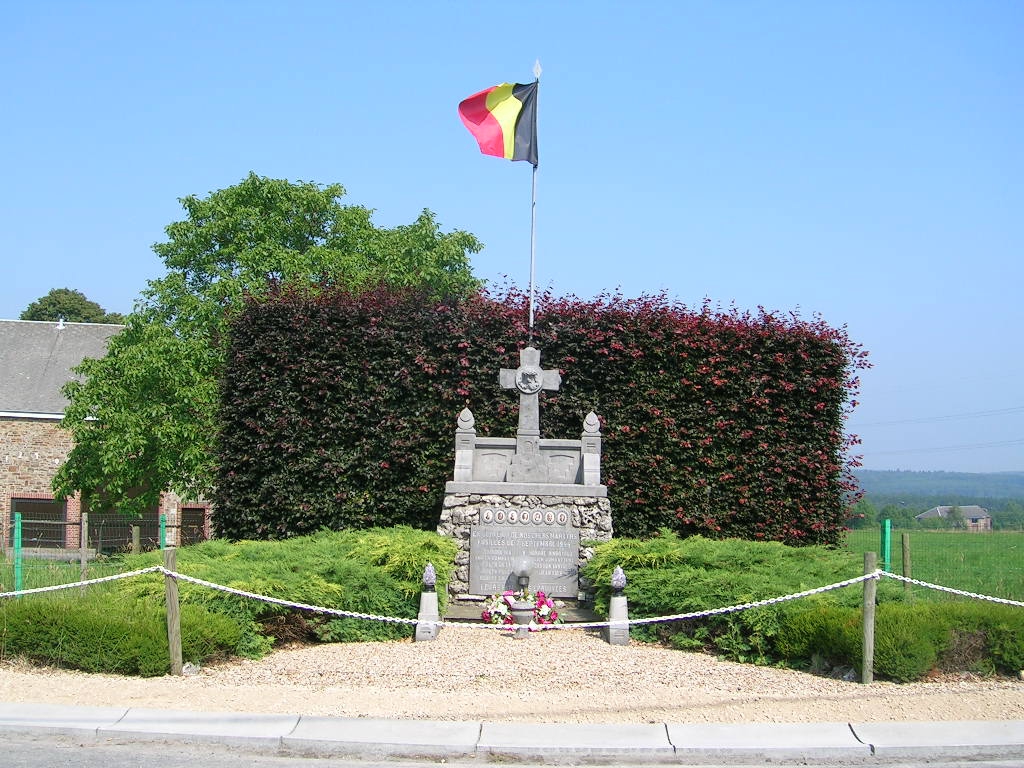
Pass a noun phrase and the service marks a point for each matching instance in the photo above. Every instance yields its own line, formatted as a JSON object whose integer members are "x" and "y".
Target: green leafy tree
{"x": 144, "y": 417}
{"x": 901, "y": 514}
{"x": 71, "y": 306}
{"x": 863, "y": 515}
{"x": 955, "y": 518}
{"x": 1011, "y": 517}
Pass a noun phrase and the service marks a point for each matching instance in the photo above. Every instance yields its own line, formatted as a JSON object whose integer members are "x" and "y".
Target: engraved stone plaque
{"x": 495, "y": 549}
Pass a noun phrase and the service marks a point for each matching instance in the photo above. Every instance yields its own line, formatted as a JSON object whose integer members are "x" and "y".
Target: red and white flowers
{"x": 498, "y": 608}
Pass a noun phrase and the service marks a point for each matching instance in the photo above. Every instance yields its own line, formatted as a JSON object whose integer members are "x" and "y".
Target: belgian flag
{"x": 503, "y": 119}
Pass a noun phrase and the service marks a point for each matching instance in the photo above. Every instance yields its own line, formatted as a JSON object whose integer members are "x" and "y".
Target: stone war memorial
{"x": 525, "y": 502}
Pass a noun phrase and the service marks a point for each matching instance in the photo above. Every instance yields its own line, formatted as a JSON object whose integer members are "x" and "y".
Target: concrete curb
{"x": 550, "y": 740}
{"x": 981, "y": 739}
{"x": 234, "y": 729}
{"x": 772, "y": 742}
{"x": 865, "y": 744}
{"x": 335, "y": 736}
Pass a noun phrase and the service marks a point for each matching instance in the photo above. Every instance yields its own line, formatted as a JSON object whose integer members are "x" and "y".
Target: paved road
{"x": 28, "y": 751}
{"x": 119, "y": 736}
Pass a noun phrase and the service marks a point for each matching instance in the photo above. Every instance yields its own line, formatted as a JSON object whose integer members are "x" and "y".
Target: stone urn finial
{"x": 618, "y": 579}
{"x": 429, "y": 576}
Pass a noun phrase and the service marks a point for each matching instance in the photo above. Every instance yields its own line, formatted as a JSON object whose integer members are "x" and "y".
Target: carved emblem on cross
{"x": 529, "y": 380}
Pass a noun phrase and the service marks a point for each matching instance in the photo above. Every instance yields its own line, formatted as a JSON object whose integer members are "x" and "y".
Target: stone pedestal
{"x": 618, "y": 617}
{"x": 493, "y": 530}
{"x": 429, "y": 612}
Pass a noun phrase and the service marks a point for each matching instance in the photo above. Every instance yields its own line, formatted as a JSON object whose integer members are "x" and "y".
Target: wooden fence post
{"x": 173, "y": 610}
{"x": 136, "y": 539}
{"x": 867, "y": 671}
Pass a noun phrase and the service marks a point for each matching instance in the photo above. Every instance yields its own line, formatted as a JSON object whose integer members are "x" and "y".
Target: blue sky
{"x": 859, "y": 160}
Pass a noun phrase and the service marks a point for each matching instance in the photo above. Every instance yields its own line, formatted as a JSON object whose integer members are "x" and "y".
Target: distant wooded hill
{"x": 900, "y": 495}
{"x": 981, "y": 485}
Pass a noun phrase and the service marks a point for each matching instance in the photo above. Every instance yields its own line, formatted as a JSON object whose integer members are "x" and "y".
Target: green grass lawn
{"x": 41, "y": 572}
{"x": 986, "y": 563}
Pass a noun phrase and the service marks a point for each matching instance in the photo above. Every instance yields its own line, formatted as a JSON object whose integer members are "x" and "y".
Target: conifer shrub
{"x": 99, "y": 635}
{"x": 668, "y": 575}
{"x": 908, "y": 641}
{"x": 819, "y": 635}
{"x": 338, "y": 410}
{"x": 120, "y": 627}
{"x": 375, "y": 572}
{"x": 911, "y": 639}
{"x": 984, "y": 637}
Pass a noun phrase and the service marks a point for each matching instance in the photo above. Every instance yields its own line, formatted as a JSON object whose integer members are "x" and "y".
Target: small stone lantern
{"x": 618, "y": 610}
{"x": 427, "y": 627}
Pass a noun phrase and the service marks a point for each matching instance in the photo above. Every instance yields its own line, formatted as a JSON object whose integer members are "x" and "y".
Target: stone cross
{"x": 529, "y": 379}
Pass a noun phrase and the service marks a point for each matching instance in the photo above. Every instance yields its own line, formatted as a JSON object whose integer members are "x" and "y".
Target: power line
{"x": 949, "y": 417}
{"x": 947, "y": 448}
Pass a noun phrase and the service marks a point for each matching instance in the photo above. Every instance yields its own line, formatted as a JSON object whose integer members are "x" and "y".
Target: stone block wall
{"x": 591, "y": 515}
{"x": 31, "y": 451}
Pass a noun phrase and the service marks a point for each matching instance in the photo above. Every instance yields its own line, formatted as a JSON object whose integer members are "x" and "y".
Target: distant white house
{"x": 975, "y": 518}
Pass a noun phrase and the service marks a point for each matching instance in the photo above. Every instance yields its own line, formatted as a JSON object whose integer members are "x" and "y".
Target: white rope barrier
{"x": 760, "y": 603}
{"x": 480, "y": 625}
{"x": 961, "y": 592}
{"x": 287, "y": 603}
{"x": 471, "y": 625}
{"x": 712, "y": 611}
{"x": 574, "y": 625}
{"x": 87, "y": 583}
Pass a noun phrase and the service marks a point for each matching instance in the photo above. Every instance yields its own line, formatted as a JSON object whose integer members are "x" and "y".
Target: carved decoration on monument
{"x": 525, "y": 497}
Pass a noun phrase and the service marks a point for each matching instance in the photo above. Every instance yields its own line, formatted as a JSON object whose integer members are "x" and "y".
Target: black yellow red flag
{"x": 503, "y": 119}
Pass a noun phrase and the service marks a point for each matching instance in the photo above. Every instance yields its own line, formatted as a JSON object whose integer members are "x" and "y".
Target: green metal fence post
{"x": 886, "y": 548}
{"x": 907, "y": 572}
{"x": 163, "y": 531}
{"x": 17, "y": 552}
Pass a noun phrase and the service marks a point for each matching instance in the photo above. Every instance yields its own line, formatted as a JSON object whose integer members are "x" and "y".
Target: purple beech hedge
{"x": 339, "y": 410}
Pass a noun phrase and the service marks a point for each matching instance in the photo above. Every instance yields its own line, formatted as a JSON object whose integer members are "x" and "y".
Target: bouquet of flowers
{"x": 498, "y": 608}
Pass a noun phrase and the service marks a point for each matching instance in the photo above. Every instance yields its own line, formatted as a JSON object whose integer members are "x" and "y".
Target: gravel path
{"x": 568, "y": 676}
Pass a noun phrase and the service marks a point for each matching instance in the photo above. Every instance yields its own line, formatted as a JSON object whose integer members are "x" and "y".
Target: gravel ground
{"x": 567, "y": 676}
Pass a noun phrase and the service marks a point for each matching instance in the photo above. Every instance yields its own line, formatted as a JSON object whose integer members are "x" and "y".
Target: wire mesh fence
{"x": 43, "y": 552}
{"x": 986, "y": 562}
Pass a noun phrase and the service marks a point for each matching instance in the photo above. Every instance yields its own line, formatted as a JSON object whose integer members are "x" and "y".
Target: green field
{"x": 986, "y": 563}
{"x": 41, "y": 572}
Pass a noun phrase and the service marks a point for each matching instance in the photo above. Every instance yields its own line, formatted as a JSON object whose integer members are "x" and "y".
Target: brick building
{"x": 36, "y": 360}
{"x": 975, "y": 518}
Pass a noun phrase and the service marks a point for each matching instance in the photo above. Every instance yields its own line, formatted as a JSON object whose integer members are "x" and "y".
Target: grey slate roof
{"x": 969, "y": 511}
{"x": 36, "y": 359}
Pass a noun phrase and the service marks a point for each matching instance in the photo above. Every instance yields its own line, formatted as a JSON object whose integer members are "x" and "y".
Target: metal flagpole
{"x": 533, "y": 244}
{"x": 533, "y": 211}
